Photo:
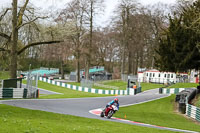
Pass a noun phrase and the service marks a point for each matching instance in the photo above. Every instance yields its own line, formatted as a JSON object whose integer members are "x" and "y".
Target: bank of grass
{"x": 183, "y": 85}
{"x": 160, "y": 112}
{"x": 66, "y": 93}
{"x": 19, "y": 120}
{"x": 4, "y": 74}
{"x": 120, "y": 84}
{"x": 149, "y": 86}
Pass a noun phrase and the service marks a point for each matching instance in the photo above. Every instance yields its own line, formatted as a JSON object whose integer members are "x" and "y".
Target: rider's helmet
{"x": 116, "y": 100}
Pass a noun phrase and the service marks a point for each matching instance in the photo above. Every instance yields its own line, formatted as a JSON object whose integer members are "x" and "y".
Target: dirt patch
{"x": 196, "y": 101}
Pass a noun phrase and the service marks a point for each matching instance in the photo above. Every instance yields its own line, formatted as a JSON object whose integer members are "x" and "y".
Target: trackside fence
{"x": 13, "y": 88}
{"x": 193, "y": 112}
{"x": 13, "y": 93}
{"x": 184, "y": 97}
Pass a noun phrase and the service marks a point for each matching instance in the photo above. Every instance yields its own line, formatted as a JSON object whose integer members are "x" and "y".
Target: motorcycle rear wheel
{"x": 102, "y": 114}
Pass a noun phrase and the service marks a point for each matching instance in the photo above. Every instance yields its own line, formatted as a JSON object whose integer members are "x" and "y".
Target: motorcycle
{"x": 109, "y": 111}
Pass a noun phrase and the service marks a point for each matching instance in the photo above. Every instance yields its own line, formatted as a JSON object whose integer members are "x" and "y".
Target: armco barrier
{"x": 190, "y": 110}
{"x": 193, "y": 112}
{"x": 17, "y": 93}
{"x": 170, "y": 90}
{"x": 13, "y": 93}
{"x": 129, "y": 91}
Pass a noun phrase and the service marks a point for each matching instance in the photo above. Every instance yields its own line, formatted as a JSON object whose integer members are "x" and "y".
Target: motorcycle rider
{"x": 115, "y": 102}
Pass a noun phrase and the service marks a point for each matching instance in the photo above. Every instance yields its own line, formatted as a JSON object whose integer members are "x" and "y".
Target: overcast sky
{"x": 59, "y": 4}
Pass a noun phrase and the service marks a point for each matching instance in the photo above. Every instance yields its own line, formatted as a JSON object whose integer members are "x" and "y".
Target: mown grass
{"x": 19, "y": 120}
{"x": 183, "y": 85}
{"x": 149, "y": 86}
{"x": 121, "y": 84}
{"x": 160, "y": 112}
{"x": 4, "y": 75}
{"x": 66, "y": 93}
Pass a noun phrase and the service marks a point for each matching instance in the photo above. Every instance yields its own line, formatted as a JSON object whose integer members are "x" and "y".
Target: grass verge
{"x": 160, "y": 112}
{"x": 4, "y": 75}
{"x": 19, "y": 120}
{"x": 183, "y": 85}
{"x": 149, "y": 86}
{"x": 121, "y": 84}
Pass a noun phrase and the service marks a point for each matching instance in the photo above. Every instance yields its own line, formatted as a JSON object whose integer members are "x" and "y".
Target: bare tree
{"x": 76, "y": 12}
{"x": 93, "y": 7}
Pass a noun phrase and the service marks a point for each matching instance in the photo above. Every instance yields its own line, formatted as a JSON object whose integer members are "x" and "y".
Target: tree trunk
{"x": 62, "y": 70}
{"x": 136, "y": 64}
{"x": 78, "y": 67}
{"x": 91, "y": 36}
{"x": 13, "y": 66}
{"x": 142, "y": 58}
{"x": 129, "y": 62}
{"x": 123, "y": 61}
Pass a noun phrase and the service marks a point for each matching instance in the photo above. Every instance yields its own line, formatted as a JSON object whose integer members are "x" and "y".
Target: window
{"x": 165, "y": 75}
{"x": 168, "y": 76}
{"x": 172, "y": 76}
{"x": 147, "y": 74}
{"x": 159, "y": 75}
{"x": 150, "y": 74}
{"x": 153, "y": 74}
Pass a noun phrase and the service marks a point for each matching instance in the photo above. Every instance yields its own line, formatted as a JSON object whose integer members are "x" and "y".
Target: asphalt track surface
{"x": 83, "y": 106}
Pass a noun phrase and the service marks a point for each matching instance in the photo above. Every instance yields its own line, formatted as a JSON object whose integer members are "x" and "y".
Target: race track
{"x": 82, "y": 106}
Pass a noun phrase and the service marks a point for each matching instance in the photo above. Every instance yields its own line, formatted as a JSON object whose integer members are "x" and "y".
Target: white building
{"x": 155, "y": 76}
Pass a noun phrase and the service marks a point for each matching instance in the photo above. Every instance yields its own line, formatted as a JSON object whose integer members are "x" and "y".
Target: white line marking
{"x": 50, "y": 91}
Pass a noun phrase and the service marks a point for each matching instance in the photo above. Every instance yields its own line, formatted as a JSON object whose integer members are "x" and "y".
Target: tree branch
{"x": 1, "y": 17}
{"x": 30, "y": 22}
{"x": 35, "y": 44}
{"x": 21, "y": 13}
{"x": 5, "y": 35}
{"x": 4, "y": 50}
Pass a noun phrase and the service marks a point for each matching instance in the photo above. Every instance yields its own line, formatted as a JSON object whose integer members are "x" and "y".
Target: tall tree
{"x": 94, "y": 6}
{"x": 178, "y": 49}
{"x": 76, "y": 12}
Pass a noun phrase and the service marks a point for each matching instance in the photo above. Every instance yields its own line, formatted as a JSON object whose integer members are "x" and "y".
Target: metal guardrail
{"x": 193, "y": 112}
{"x": 184, "y": 97}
